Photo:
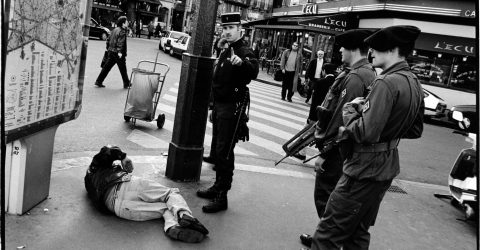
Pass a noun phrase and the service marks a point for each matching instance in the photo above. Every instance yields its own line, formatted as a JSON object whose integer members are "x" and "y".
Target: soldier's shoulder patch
{"x": 366, "y": 106}
{"x": 344, "y": 92}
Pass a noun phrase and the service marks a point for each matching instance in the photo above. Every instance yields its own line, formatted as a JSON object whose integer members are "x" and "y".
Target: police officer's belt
{"x": 376, "y": 147}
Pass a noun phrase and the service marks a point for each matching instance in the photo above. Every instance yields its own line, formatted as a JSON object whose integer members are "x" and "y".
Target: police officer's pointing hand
{"x": 234, "y": 59}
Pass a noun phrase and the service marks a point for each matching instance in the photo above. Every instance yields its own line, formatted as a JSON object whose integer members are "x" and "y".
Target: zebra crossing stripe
{"x": 208, "y": 138}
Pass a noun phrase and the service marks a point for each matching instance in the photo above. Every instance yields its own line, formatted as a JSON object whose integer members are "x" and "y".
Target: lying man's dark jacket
{"x": 101, "y": 175}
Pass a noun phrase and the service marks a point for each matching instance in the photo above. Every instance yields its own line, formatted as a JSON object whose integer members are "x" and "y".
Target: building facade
{"x": 168, "y": 13}
{"x": 445, "y": 55}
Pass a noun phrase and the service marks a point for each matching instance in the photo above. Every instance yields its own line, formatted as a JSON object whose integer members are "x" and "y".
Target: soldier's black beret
{"x": 393, "y": 36}
{"x": 352, "y": 39}
{"x": 231, "y": 18}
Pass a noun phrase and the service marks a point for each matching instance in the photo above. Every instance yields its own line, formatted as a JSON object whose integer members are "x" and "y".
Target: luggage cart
{"x": 146, "y": 84}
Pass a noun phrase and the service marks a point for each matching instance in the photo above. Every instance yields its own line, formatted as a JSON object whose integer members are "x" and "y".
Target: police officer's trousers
{"x": 326, "y": 181}
{"x": 224, "y": 128}
{"x": 351, "y": 209}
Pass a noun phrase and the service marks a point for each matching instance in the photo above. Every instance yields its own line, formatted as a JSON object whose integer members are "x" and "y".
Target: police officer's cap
{"x": 231, "y": 18}
{"x": 353, "y": 39}
{"x": 393, "y": 36}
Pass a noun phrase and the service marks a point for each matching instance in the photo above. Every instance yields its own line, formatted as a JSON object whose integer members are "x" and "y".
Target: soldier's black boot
{"x": 219, "y": 203}
{"x": 208, "y": 193}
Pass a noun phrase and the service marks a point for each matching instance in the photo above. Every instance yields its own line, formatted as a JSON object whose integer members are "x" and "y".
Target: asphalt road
{"x": 101, "y": 122}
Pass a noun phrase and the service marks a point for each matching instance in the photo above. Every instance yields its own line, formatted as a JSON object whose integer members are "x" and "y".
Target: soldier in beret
{"x": 236, "y": 67}
{"x": 350, "y": 84}
{"x": 392, "y": 110}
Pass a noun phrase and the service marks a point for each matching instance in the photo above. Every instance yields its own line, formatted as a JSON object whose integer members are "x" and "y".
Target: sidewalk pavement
{"x": 268, "y": 209}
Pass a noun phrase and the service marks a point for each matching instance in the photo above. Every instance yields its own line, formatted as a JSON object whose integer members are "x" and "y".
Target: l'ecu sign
{"x": 337, "y": 23}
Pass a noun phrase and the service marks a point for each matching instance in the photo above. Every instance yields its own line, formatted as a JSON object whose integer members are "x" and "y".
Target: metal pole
{"x": 186, "y": 148}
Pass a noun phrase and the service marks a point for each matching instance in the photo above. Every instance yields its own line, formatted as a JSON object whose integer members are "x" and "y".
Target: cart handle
{"x": 154, "y": 65}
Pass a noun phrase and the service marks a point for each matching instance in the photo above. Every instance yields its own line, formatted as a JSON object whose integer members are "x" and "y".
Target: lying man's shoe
{"x": 188, "y": 221}
{"x": 306, "y": 239}
{"x": 185, "y": 234}
{"x": 300, "y": 157}
{"x": 209, "y": 159}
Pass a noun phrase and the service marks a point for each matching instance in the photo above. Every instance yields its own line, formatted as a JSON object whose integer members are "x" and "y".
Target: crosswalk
{"x": 272, "y": 122}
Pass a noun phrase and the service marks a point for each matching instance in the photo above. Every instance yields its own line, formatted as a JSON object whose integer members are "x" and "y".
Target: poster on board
{"x": 45, "y": 64}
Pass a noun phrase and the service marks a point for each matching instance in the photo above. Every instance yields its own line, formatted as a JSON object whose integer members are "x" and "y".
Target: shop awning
{"x": 331, "y": 24}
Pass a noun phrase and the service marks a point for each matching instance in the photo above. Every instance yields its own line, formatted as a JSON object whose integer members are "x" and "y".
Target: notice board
{"x": 44, "y": 64}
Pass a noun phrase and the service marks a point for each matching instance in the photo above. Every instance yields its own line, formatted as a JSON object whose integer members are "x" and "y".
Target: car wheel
{"x": 104, "y": 36}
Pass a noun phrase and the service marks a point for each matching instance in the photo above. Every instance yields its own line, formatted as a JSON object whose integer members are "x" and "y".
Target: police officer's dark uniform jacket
{"x": 230, "y": 82}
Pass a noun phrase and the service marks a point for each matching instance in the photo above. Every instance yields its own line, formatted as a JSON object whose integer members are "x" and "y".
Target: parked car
{"x": 180, "y": 45}
{"x": 97, "y": 30}
{"x": 167, "y": 38}
{"x": 435, "y": 107}
{"x": 465, "y": 117}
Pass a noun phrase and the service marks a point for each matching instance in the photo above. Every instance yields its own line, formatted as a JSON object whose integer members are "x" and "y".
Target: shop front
{"x": 445, "y": 61}
{"x": 313, "y": 33}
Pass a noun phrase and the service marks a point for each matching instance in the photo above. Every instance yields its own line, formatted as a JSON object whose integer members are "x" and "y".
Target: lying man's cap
{"x": 353, "y": 39}
{"x": 231, "y": 18}
{"x": 393, "y": 36}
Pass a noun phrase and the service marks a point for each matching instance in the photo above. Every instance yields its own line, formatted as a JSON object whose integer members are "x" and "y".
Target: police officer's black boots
{"x": 219, "y": 203}
{"x": 208, "y": 193}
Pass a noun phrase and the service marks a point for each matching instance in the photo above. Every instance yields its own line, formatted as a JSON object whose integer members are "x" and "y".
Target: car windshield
{"x": 176, "y": 35}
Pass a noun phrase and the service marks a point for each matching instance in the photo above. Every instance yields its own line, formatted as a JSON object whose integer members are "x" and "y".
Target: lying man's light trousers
{"x": 141, "y": 199}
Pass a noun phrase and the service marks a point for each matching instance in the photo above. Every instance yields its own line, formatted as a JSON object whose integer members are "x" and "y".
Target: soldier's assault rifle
{"x": 306, "y": 137}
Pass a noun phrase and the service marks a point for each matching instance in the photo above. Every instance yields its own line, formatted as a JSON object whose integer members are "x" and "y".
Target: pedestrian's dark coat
{"x": 392, "y": 110}
{"x": 229, "y": 82}
{"x": 320, "y": 89}
{"x": 117, "y": 41}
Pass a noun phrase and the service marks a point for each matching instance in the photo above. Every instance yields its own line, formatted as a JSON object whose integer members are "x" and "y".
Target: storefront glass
{"x": 444, "y": 70}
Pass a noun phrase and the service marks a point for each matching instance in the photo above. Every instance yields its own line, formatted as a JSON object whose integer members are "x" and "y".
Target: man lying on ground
{"x": 113, "y": 189}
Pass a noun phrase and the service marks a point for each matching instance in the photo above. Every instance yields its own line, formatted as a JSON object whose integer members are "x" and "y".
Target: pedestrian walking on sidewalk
{"x": 350, "y": 84}
{"x": 235, "y": 68}
{"x": 117, "y": 53}
{"x": 314, "y": 73}
{"x": 113, "y": 189}
{"x": 374, "y": 125}
{"x": 290, "y": 60}
{"x": 151, "y": 28}
{"x": 139, "y": 29}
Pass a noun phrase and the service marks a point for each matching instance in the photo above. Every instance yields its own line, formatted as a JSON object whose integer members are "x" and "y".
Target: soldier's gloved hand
{"x": 234, "y": 59}
{"x": 358, "y": 103}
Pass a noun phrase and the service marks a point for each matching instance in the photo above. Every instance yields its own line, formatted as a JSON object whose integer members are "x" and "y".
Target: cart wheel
{"x": 127, "y": 118}
{"x": 160, "y": 120}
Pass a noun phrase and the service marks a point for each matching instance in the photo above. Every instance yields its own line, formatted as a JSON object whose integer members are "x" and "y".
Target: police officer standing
{"x": 351, "y": 83}
{"x": 236, "y": 67}
{"x": 374, "y": 125}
